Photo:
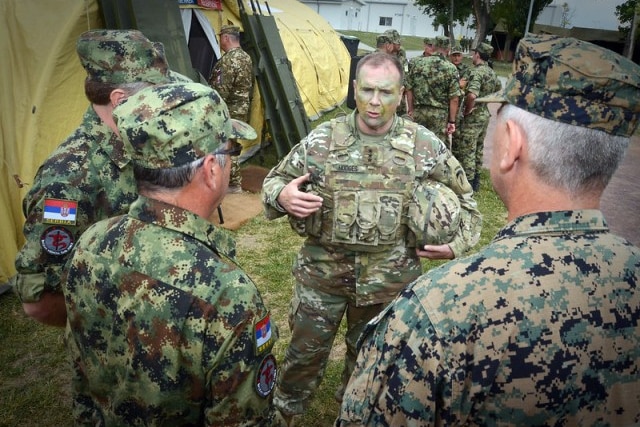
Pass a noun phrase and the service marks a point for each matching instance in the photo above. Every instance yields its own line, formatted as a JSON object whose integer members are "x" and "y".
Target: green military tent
{"x": 42, "y": 82}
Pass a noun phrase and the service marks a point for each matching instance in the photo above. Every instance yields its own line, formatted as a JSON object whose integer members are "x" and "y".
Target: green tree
{"x": 628, "y": 14}
{"x": 440, "y": 11}
{"x": 512, "y": 16}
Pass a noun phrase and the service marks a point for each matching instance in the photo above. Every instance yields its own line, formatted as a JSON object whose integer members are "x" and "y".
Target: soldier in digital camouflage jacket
{"x": 541, "y": 327}
{"x": 88, "y": 177}
{"x": 164, "y": 328}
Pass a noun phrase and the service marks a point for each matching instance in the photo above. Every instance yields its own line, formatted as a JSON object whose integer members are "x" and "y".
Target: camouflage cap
{"x": 484, "y": 48}
{"x": 443, "y": 42}
{"x": 166, "y": 126}
{"x": 434, "y": 214}
{"x": 574, "y": 82}
{"x": 122, "y": 56}
{"x": 383, "y": 38}
{"x": 394, "y": 36}
{"x": 230, "y": 29}
{"x": 429, "y": 40}
{"x": 457, "y": 48}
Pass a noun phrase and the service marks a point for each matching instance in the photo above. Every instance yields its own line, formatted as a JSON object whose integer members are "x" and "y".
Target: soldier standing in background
{"x": 398, "y": 50}
{"x": 88, "y": 177}
{"x": 433, "y": 91}
{"x": 164, "y": 328}
{"x": 468, "y": 146}
{"x": 232, "y": 77}
{"x": 349, "y": 187}
{"x": 541, "y": 327}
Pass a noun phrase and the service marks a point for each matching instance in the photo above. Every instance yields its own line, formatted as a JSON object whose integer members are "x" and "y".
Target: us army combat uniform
{"x": 469, "y": 139}
{"x": 440, "y": 355}
{"x": 433, "y": 81}
{"x": 358, "y": 246}
{"x": 232, "y": 77}
{"x": 86, "y": 179}
{"x": 178, "y": 324}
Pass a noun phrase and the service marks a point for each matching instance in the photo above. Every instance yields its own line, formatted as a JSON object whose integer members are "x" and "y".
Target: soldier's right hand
{"x": 296, "y": 202}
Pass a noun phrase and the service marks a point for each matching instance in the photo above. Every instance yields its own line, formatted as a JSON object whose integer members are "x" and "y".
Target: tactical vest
{"x": 367, "y": 188}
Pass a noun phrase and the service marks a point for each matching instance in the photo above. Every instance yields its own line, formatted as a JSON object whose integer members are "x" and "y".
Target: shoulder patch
{"x": 263, "y": 334}
{"x": 266, "y": 376}
{"x": 58, "y": 211}
{"x": 57, "y": 240}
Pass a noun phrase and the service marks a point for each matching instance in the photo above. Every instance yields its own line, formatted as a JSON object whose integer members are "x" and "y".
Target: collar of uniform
{"x": 185, "y": 222}
{"x": 578, "y": 221}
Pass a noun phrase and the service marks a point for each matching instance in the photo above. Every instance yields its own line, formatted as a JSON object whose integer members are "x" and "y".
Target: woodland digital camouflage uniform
{"x": 89, "y": 168}
{"x": 164, "y": 328}
{"x": 433, "y": 81}
{"x": 368, "y": 277}
{"x": 468, "y": 146}
{"x": 232, "y": 77}
{"x": 542, "y": 326}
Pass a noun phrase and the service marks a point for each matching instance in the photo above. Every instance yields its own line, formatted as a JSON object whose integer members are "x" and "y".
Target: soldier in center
{"x": 372, "y": 192}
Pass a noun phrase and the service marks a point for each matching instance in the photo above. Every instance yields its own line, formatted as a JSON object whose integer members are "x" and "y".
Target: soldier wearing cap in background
{"x": 433, "y": 91}
{"x": 468, "y": 140}
{"x": 232, "y": 77}
{"x": 391, "y": 43}
{"x": 455, "y": 56}
{"x": 371, "y": 193}
{"x": 164, "y": 328}
{"x": 88, "y": 177}
{"x": 541, "y": 327}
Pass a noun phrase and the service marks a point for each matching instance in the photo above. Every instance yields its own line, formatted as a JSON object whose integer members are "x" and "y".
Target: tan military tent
{"x": 42, "y": 93}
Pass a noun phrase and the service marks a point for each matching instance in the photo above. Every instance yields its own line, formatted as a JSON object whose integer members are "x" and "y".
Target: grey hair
{"x": 154, "y": 180}
{"x": 575, "y": 158}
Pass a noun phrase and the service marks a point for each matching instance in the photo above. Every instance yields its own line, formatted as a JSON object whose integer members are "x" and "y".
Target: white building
{"x": 377, "y": 16}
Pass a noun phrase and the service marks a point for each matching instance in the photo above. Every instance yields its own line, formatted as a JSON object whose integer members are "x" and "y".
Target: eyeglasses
{"x": 233, "y": 148}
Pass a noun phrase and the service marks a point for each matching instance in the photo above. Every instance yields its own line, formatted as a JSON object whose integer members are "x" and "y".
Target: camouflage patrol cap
{"x": 122, "y": 56}
{"x": 230, "y": 29}
{"x": 429, "y": 40}
{"x": 574, "y": 82}
{"x": 434, "y": 215}
{"x": 394, "y": 36}
{"x": 484, "y": 48}
{"x": 443, "y": 42}
{"x": 383, "y": 38}
{"x": 166, "y": 126}
{"x": 457, "y": 48}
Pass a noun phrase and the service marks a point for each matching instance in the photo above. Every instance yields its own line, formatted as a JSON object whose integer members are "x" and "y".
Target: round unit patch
{"x": 57, "y": 240}
{"x": 266, "y": 376}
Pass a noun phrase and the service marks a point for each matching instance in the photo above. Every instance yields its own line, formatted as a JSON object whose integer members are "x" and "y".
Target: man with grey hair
{"x": 542, "y": 326}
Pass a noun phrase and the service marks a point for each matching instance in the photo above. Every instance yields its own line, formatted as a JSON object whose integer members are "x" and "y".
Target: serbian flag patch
{"x": 263, "y": 334}
{"x": 57, "y": 211}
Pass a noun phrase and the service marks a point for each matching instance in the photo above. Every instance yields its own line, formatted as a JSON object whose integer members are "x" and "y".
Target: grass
{"x": 34, "y": 371}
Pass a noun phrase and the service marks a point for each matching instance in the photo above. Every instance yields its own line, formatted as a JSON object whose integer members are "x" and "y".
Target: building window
{"x": 385, "y": 21}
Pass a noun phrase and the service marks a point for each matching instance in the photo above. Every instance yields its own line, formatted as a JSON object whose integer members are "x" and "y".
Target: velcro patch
{"x": 266, "y": 376}
{"x": 58, "y": 211}
{"x": 57, "y": 240}
{"x": 263, "y": 334}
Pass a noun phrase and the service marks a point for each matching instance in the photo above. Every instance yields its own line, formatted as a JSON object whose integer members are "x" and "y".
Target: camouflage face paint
{"x": 377, "y": 93}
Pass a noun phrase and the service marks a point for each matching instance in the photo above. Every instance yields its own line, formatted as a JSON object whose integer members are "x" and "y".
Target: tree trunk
{"x": 481, "y": 9}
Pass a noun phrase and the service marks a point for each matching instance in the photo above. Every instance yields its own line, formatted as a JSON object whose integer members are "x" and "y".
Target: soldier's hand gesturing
{"x": 296, "y": 201}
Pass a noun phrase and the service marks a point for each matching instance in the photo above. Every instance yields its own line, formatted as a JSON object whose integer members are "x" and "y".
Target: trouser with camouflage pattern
{"x": 314, "y": 320}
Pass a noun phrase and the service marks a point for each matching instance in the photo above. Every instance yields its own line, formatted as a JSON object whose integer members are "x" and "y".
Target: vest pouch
{"x": 367, "y": 220}
{"x": 344, "y": 216}
{"x": 390, "y": 217}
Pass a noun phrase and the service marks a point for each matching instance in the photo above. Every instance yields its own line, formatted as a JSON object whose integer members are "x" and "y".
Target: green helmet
{"x": 434, "y": 215}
